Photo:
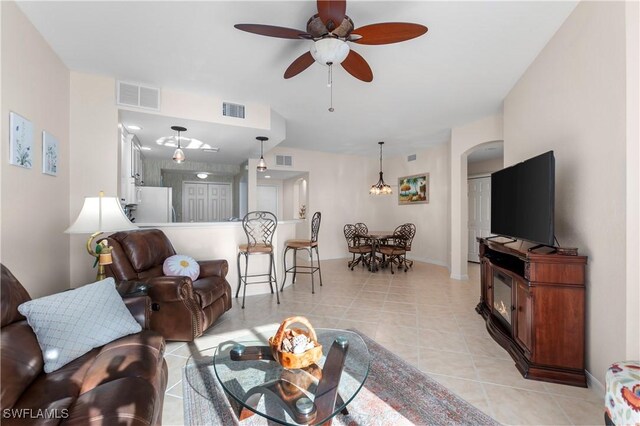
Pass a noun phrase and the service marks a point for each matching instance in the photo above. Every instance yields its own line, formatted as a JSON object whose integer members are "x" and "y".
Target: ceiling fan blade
{"x": 357, "y": 67}
{"x": 388, "y": 32}
{"x": 332, "y": 12}
{"x": 271, "y": 31}
{"x": 302, "y": 63}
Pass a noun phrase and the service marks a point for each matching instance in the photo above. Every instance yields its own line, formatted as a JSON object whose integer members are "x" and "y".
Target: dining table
{"x": 376, "y": 238}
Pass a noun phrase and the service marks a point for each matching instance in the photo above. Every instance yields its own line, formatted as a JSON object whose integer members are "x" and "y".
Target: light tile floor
{"x": 422, "y": 315}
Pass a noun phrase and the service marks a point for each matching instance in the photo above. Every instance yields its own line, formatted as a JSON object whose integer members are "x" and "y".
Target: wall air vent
{"x": 284, "y": 160}
{"x": 232, "y": 110}
{"x": 412, "y": 157}
{"x": 138, "y": 96}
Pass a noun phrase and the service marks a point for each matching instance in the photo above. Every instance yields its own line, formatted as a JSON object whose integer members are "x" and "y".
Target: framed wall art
{"x": 50, "y": 154}
{"x": 413, "y": 189}
{"x": 20, "y": 141}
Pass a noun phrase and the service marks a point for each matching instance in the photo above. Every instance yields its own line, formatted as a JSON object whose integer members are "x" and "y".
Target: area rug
{"x": 395, "y": 393}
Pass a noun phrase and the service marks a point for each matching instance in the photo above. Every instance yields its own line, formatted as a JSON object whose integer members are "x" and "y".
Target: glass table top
{"x": 289, "y": 397}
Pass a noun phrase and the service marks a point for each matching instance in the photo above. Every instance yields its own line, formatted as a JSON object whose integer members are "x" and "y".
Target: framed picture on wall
{"x": 413, "y": 189}
{"x": 49, "y": 154}
{"x": 20, "y": 141}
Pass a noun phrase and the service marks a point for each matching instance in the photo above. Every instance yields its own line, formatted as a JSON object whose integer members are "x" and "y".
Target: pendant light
{"x": 380, "y": 188}
{"x": 178, "y": 154}
{"x": 262, "y": 165}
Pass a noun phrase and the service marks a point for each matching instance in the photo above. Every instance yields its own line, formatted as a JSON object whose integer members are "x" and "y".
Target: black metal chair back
{"x": 408, "y": 232}
{"x": 315, "y": 226}
{"x": 361, "y": 229}
{"x": 259, "y": 226}
{"x": 350, "y": 233}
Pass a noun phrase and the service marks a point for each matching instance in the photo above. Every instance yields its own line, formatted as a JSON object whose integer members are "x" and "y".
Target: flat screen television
{"x": 522, "y": 200}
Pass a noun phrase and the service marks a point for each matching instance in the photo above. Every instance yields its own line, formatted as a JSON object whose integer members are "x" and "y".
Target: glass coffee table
{"x": 259, "y": 385}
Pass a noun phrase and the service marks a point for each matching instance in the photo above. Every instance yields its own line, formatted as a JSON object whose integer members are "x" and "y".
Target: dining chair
{"x": 357, "y": 246}
{"x": 259, "y": 227}
{"x": 395, "y": 251}
{"x": 308, "y": 245}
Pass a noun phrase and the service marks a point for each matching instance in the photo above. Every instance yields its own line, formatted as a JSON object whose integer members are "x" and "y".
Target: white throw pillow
{"x": 180, "y": 265}
{"x": 70, "y": 324}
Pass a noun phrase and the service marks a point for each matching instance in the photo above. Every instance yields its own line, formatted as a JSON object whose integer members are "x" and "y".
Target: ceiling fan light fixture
{"x": 329, "y": 51}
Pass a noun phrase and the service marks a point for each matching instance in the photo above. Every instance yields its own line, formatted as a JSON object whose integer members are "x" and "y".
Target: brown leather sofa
{"x": 185, "y": 308}
{"x": 121, "y": 383}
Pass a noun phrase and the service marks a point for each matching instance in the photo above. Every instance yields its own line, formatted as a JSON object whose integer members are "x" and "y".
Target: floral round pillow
{"x": 181, "y": 266}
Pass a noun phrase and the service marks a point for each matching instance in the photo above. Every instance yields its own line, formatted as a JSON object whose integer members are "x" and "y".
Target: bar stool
{"x": 259, "y": 227}
{"x": 307, "y": 245}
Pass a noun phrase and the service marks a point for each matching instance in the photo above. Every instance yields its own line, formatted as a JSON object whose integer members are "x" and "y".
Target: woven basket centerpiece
{"x": 295, "y": 347}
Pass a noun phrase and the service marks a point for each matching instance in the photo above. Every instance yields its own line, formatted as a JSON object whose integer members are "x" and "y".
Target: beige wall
{"x": 94, "y": 156}
{"x": 486, "y": 166}
{"x": 633, "y": 180}
{"x": 338, "y": 186}
{"x": 35, "y": 207}
{"x": 572, "y": 100}
{"x": 431, "y": 243}
{"x": 463, "y": 140}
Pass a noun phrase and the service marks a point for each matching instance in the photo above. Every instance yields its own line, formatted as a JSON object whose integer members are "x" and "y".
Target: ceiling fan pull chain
{"x": 330, "y": 84}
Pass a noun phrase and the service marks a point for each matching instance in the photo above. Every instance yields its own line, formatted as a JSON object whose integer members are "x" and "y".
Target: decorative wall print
{"x": 413, "y": 189}
{"x": 20, "y": 141}
{"x": 49, "y": 154}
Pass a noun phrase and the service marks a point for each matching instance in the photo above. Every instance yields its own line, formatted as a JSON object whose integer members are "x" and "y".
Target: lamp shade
{"x": 329, "y": 51}
{"x": 100, "y": 214}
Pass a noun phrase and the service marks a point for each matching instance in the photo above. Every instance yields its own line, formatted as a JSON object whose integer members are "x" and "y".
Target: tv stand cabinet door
{"x": 524, "y": 317}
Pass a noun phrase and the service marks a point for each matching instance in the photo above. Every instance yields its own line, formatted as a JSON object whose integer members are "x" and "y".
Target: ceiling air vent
{"x": 232, "y": 110}
{"x": 284, "y": 160}
{"x": 412, "y": 157}
{"x": 136, "y": 95}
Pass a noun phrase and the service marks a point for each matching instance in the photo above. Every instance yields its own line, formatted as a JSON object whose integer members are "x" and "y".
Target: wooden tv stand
{"x": 542, "y": 326}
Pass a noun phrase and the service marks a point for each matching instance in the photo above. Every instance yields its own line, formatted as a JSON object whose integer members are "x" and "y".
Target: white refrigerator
{"x": 154, "y": 205}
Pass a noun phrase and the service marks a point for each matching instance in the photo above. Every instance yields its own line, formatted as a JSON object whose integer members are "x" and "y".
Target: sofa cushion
{"x": 180, "y": 265}
{"x": 209, "y": 289}
{"x": 21, "y": 361}
{"x": 70, "y": 324}
{"x": 13, "y": 294}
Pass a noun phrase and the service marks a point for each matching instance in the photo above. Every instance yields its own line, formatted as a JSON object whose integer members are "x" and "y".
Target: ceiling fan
{"x": 331, "y": 29}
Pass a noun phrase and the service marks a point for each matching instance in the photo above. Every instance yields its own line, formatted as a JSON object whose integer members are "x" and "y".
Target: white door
{"x": 479, "y": 192}
{"x": 206, "y": 202}
{"x": 219, "y": 202}
{"x": 267, "y": 198}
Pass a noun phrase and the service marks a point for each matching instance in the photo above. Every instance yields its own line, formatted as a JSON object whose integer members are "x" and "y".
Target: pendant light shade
{"x": 262, "y": 165}
{"x": 178, "y": 154}
{"x": 380, "y": 188}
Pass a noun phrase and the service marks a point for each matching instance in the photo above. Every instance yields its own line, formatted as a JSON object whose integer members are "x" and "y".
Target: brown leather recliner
{"x": 122, "y": 382}
{"x": 186, "y": 308}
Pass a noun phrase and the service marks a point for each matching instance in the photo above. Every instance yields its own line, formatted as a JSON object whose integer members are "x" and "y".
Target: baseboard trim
{"x": 464, "y": 277}
{"x": 594, "y": 383}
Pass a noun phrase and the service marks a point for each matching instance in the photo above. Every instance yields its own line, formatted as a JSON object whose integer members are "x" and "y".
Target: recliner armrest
{"x": 140, "y": 308}
{"x": 213, "y": 268}
{"x": 170, "y": 289}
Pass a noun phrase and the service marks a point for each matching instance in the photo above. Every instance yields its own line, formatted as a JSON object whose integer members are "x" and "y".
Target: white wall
{"x": 463, "y": 140}
{"x": 572, "y": 99}
{"x": 35, "y": 207}
{"x": 431, "y": 243}
{"x": 338, "y": 186}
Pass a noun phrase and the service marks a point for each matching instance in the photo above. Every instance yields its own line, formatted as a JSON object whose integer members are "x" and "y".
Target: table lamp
{"x": 100, "y": 214}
